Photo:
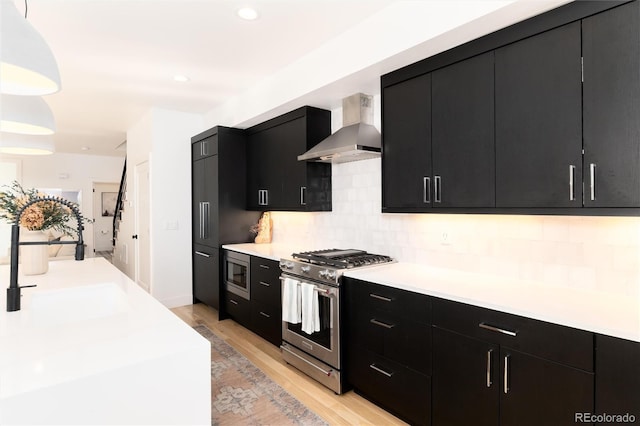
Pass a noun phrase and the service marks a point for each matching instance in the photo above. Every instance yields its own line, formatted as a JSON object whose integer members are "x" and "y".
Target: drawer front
{"x": 403, "y": 392}
{"x": 550, "y": 341}
{"x": 404, "y": 304}
{"x": 265, "y": 281}
{"x": 267, "y": 322}
{"x": 397, "y": 338}
{"x": 238, "y": 309}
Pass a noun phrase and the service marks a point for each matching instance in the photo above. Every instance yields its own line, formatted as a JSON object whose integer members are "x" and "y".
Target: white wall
{"x": 162, "y": 137}
{"x": 71, "y": 172}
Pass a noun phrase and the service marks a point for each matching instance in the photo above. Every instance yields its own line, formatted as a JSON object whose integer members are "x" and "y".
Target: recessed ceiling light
{"x": 85, "y": 148}
{"x": 248, "y": 13}
{"x": 181, "y": 78}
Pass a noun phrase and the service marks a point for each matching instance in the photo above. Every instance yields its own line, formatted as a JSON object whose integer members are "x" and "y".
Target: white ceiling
{"x": 117, "y": 58}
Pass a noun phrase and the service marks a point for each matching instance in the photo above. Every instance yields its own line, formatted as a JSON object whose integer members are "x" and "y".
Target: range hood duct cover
{"x": 357, "y": 140}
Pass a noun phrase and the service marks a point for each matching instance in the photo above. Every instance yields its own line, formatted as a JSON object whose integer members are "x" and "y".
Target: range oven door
{"x": 324, "y": 344}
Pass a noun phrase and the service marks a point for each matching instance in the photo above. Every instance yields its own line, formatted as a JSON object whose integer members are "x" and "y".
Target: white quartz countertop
{"x": 268, "y": 251}
{"x": 83, "y": 319}
{"x": 601, "y": 312}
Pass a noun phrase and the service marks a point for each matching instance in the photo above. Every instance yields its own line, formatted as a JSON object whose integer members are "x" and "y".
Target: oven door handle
{"x": 329, "y": 291}
{"x": 328, "y": 373}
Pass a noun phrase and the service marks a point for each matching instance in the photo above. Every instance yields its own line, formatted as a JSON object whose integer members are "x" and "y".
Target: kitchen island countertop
{"x": 89, "y": 346}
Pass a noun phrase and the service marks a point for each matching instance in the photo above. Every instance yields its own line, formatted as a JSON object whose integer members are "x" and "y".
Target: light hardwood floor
{"x": 345, "y": 409}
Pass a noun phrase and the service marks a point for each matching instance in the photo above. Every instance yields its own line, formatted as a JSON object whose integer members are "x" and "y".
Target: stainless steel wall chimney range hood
{"x": 358, "y": 139}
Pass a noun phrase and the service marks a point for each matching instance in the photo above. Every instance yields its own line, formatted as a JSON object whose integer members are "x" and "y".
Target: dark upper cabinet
{"x": 463, "y": 134}
{"x": 219, "y": 215}
{"x": 538, "y": 97}
{"x": 276, "y": 180}
{"x": 406, "y": 145}
{"x": 611, "y": 90}
{"x": 438, "y": 139}
{"x": 617, "y": 376}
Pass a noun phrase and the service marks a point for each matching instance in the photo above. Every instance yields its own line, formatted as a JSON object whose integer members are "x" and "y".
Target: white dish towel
{"x": 310, "y": 309}
{"x": 291, "y": 301}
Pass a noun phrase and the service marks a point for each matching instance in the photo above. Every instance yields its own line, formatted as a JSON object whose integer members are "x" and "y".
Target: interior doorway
{"x": 105, "y": 195}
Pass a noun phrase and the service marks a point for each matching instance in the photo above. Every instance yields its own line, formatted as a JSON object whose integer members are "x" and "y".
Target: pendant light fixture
{"x": 13, "y": 143}
{"x": 27, "y": 65}
{"x": 26, "y": 115}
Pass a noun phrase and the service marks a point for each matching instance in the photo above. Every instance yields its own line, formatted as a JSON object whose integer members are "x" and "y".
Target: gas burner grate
{"x": 343, "y": 259}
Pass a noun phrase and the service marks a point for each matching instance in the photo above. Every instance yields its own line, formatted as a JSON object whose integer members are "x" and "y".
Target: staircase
{"x": 117, "y": 217}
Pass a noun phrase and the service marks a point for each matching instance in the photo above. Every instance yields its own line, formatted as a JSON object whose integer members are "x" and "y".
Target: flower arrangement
{"x": 38, "y": 216}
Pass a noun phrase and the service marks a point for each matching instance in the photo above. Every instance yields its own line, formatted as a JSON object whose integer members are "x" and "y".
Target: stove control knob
{"x": 305, "y": 269}
{"x": 331, "y": 275}
{"x": 285, "y": 264}
{"x": 324, "y": 273}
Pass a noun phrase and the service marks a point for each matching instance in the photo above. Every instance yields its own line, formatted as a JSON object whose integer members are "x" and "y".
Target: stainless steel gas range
{"x": 312, "y": 307}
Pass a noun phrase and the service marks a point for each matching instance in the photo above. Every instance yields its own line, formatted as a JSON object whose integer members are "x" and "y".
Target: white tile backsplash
{"x": 599, "y": 253}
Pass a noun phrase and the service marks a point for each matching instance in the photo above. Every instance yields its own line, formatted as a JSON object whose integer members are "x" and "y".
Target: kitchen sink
{"x": 71, "y": 304}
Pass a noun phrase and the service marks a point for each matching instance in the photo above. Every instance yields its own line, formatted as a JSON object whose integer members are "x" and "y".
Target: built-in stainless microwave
{"x": 236, "y": 273}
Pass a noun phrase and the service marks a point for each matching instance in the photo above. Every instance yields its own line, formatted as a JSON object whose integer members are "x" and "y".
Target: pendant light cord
{"x": 26, "y": 7}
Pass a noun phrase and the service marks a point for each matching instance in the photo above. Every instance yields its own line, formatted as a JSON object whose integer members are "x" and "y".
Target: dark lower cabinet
{"x": 388, "y": 351}
{"x": 266, "y": 299}
{"x": 262, "y": 314}
{"x": 466, "y": 383}
{"x": 484, "y": 381}
{"x": 617, "y": 377}
{"x": 238, "y": 308}
{"x": 535, "y": 391}
{"x": 403, "y": 391}
{"x": 206, "y": 270}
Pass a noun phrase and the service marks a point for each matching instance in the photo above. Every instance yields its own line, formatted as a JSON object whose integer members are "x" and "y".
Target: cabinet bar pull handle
{"x": 199, "y": 253}
{"x": 264, "y": 266}
{"x": 426, "y": 189}
{"x": 384, "y": 299}
{"x": 265, "y": 315}
{"x": 204, "y": 148}
{"x": 380, "y": 370}
{"x": 303, "y": 192}
{"x": 497, "y": 329}
{"x": 380, "y": 323}
{"x": 233, "y": 301}
{"x": 200, "y": 220}
{"x": 265, "y": 284}
{"x": 489, "y": 355}
{"x": 205, "y": 220}
{"x": 572, "y": 176}
{"x": 506, "y": 373}
{"x": 592, "y": 180}
{"x": 438, "y": 188}
{"x": 266, "y": 197}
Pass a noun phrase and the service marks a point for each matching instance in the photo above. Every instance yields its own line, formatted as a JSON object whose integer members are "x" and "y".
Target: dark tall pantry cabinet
{"x": 218, "y": 205}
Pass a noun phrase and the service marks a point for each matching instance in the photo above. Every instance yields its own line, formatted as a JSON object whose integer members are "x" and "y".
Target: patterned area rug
{"x": 241, "y": 394}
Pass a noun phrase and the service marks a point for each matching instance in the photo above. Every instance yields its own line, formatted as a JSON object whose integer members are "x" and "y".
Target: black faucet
{"x": 13, "y": 292}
